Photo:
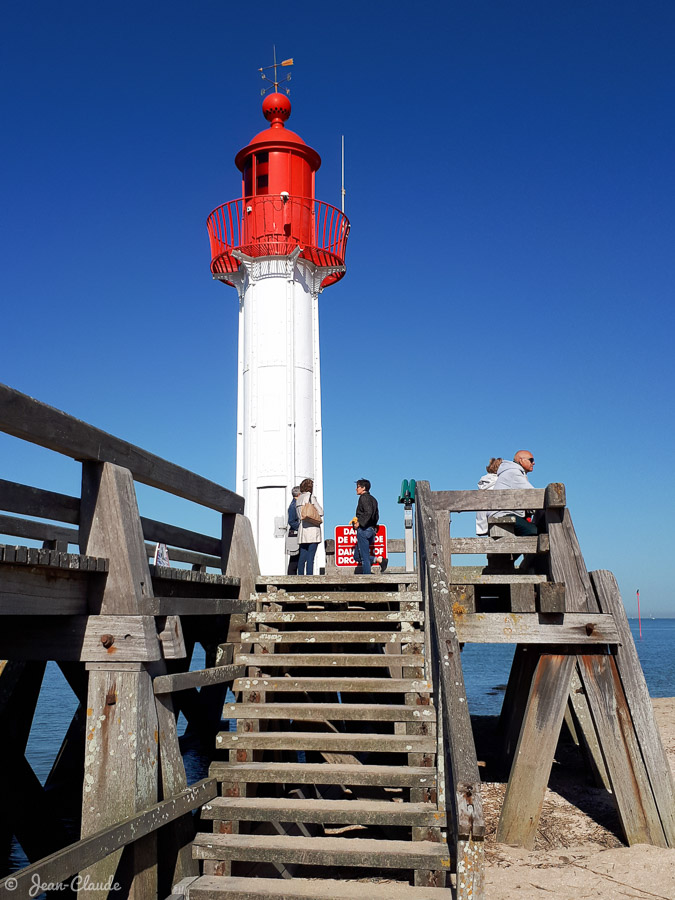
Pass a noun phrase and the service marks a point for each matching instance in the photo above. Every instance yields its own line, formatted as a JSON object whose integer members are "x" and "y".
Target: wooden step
{"x": 335, "y": 742}
{"x": 358, "y": 598}
{"x": 343, "y": 684}
{"x": 337, "y": 580}
{"x": 332, "y": 637}
{"x": 344, "y": 615}
{"x": 367, "y": 712}
{"x": 329, "y": 812}
{"x": 324, "y": 773}
{"x": 209, "y": 887}
{"x": 323, "y": 851}
{"x": 326, "y": 660}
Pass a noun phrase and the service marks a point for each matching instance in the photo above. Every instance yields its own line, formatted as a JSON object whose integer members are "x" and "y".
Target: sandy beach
{"x": 579, "y": 852}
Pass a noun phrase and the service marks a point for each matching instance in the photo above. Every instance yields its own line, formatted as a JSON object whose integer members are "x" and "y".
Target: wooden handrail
{"x": 464, "y": 797}
{"x": 475, "y": 501}
{"x": 29, "y": 419}
{"x": 32, "y": 501}
{"x": 63, "y": 864}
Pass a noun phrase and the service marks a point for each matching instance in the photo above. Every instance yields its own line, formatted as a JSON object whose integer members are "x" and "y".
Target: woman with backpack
{"x": 310, "y": 514}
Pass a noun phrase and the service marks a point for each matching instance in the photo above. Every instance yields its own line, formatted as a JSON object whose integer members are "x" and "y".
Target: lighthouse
{"x": 279, "y": 247}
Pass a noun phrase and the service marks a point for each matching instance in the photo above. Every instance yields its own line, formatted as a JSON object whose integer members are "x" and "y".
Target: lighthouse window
{"x": 262, "y": 157}
{"x": 261, "y": 181}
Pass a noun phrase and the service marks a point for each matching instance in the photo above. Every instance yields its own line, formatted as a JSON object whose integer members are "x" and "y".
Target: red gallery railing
{"x": 274, "y": 225}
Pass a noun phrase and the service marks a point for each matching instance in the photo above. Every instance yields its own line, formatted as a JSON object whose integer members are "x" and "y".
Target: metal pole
{"x": 343, "y": 173}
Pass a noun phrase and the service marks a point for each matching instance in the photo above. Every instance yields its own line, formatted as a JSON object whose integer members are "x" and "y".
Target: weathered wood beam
{"x": 621, "y": 751}
{"x": 639, "y": 701}
{"x": 535, "y": 544}
{"x": 536, "y": 628}
{"x": 176, "y": 843}
{"x": 176, "y": 554}
{"x": 533, "y": 756}
{"x": 32, "y": 501}
{"x": 54, "y": 559}
{"x": 31, "y": 420}
{"x": 67, "y": 862}
{"x": 612, "y": 710}
{"x": 475, "y": 501}
{"x": 567, "y": 564}
{"x": 110, "y": 527}
{"x": 463, "y": 792}
{"x": 183, "y": 681}
{"x": 37, "y": 531}
{"x": 41, "y": 591}
{"x": 478, "y": 575}
{"x": 161, "y": 532}
{"x": 195, "y": 606}
{"x": 80, "y": 638}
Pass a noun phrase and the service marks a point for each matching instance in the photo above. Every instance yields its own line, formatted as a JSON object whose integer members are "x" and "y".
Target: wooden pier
{"x": 352, "y": 757}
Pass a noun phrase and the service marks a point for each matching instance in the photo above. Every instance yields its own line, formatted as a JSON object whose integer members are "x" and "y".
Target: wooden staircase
{"x": 330, "y": 785}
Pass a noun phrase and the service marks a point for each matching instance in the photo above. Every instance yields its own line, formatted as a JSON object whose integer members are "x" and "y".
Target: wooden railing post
{"x": 121, "y": 750}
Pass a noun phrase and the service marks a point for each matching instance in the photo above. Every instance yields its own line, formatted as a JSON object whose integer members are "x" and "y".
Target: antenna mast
{"x": 342, "y": 192}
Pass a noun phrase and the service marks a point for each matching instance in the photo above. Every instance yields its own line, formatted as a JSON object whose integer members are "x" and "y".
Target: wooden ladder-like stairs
{"x": 330, "y": 781}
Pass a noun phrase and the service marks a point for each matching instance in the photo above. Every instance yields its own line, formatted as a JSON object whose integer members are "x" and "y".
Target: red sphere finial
{"x": 276, "y": 108}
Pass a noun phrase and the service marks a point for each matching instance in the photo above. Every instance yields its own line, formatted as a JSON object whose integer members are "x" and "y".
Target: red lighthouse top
{"x": 277, "y": 159}
{"x": 278, "y": 211}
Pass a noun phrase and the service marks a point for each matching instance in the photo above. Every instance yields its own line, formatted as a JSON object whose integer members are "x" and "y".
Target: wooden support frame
{"x": 613, "y": 713}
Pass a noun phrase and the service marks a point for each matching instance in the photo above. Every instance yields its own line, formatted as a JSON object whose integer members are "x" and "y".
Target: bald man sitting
{"x": 512, "y": 476}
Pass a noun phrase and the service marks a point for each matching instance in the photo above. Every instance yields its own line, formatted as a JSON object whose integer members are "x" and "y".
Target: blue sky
{"x": 510, "y": 183}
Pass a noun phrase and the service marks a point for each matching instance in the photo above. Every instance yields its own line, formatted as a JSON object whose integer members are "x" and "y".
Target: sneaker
{"x": 384, "y": 562}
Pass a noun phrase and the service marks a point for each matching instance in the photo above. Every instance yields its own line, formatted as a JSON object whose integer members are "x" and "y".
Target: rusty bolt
{"x": 590, "y": 628}
{"x": 107, "y": 640}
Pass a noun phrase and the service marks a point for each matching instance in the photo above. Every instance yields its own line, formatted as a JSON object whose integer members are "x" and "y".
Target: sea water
{"x": 486, "y": 671}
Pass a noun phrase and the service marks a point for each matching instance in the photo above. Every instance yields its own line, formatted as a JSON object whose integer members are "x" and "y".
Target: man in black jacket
{"x": 365, "y": 521}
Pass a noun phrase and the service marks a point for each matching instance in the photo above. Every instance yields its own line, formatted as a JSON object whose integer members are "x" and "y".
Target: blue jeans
{"x": 306, "y": 560}
{"x": 362, "y": 557}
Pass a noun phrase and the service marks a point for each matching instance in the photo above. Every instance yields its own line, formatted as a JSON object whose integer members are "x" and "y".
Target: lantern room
{"x": 277, "y": 160}
{"x": 278, "y": 212}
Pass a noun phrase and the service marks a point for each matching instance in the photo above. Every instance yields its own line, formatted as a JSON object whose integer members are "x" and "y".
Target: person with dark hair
{"x": 309, "y": 533}
{"x": 292, "y": 528}
{"x": 365, "y": 521}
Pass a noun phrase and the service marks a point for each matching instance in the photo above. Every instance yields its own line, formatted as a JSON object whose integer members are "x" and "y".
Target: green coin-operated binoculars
{"x": 407, "y": 498}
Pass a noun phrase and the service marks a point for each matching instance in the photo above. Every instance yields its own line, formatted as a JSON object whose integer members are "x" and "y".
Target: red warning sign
{"x": 345, "y": 541}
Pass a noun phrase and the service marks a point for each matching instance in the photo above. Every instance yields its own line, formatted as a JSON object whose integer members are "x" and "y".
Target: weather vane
{"x": 275, "y": 81}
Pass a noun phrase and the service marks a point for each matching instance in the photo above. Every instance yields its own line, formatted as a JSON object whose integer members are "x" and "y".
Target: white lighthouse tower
{"x": 279, "y": 247}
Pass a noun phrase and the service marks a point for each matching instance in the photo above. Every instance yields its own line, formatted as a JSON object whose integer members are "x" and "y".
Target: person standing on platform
{"x": 293, "y": 526}
{"x": 309, "y": 533}
{"x": 365, "y": 521}
{"x": 512, "y": 476}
